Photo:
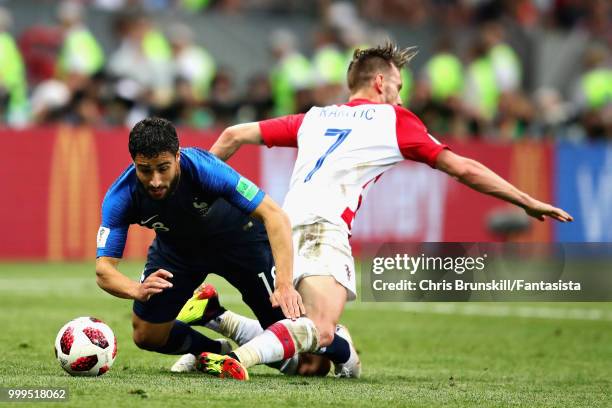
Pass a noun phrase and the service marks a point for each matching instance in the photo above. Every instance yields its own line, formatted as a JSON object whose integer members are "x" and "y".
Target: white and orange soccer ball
{"x": 86, "y": 346}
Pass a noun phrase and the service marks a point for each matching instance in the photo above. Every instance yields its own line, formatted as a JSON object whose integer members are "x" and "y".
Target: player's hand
{"x": 289, "y": 301}
{"x": 153, "y": 284}
{"x": 540, "y": 210}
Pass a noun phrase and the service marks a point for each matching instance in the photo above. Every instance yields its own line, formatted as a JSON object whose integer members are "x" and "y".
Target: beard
{"x": 156, "y": 193}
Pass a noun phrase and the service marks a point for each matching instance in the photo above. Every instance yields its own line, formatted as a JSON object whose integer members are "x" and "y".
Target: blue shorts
{"x": 241, "y": 265}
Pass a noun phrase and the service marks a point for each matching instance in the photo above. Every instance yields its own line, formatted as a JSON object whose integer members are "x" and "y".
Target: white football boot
{"x": 187, "y": 362}
{"x": 352, "y": 368}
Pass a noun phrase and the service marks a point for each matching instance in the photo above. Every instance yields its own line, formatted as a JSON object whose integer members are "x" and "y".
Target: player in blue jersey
{"x": 200, "y": 210}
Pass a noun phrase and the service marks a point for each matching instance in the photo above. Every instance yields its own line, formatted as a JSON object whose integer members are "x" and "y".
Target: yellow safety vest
{"x": 329, "y": 65}
{"x": 83, "y": 45}
{"x": 12, "y": 75}
{"x": 445, "y": 74}
{"x": 483, "y": 75}
{"x": 292, "y": 73}
{"x": 597, "y": 87}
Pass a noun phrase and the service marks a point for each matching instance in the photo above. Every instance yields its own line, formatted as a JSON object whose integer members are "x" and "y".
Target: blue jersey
{"x": 209, "y": 205}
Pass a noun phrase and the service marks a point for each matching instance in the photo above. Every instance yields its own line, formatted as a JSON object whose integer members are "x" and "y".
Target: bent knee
{"x": 145, "y": 341}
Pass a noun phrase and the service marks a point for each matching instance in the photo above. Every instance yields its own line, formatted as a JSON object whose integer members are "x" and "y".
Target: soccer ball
{"x": 86, "y": 346}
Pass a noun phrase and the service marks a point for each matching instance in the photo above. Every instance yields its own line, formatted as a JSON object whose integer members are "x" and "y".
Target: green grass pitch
{"x": 416, "y": 355}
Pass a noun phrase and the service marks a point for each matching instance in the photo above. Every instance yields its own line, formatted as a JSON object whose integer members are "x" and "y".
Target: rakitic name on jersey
{"x": 344, "y": 112}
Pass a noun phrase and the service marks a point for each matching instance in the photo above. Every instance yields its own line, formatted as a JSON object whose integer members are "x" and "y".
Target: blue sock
{"x": 183, "y": 339}
{"x": 338, "y": 351}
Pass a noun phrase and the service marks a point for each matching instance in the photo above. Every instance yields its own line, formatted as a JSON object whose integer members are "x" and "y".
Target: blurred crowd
{"x": 61, "y": 73}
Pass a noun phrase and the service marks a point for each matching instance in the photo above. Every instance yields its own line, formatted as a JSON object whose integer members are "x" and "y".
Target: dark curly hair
{"x": 366, "y": 63}
{"x": 153, "y": 136}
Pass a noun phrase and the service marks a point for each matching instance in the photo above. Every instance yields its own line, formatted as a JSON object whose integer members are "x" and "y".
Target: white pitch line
{"x": 34, "y": 287}
{"x": 473, "y": 309}
{"x": 490, "y": 310}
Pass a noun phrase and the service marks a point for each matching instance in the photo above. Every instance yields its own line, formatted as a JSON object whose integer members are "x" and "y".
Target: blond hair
{"x": 367, "y": 62}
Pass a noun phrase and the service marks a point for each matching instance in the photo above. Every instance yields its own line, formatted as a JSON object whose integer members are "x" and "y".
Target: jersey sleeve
{"x": 281, "y": 131}
{"x": 113, "y": 230}
{"x": 220, "y": 179}
{"x": 413, "y": 140}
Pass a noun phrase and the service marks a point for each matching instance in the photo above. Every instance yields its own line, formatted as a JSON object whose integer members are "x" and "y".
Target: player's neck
{"x": 370, "y": 96}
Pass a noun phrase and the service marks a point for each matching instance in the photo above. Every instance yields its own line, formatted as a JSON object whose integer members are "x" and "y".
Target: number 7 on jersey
{"x": 341, "y": 135}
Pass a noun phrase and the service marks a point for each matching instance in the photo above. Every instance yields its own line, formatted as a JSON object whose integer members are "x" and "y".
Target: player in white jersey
{"x": 342, "y": 150}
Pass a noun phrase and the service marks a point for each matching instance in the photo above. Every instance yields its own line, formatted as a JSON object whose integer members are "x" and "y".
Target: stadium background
{"x": 83, "y": 72}
{"x": 546, "y": 126}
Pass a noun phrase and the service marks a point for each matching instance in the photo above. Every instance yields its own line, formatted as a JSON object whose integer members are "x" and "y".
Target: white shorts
{"x": 322, "y": 249}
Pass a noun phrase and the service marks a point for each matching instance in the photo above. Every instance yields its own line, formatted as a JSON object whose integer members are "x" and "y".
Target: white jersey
{"x": 342, "y": 151}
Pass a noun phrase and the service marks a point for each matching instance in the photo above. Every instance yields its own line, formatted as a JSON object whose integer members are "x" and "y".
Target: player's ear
{"x": 378, "y": 83}
{"x": 178, "y": 155}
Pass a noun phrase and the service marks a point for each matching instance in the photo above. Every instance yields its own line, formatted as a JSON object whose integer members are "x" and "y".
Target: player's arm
{"x": 219, "y": 178}
{"x": 281, "y": 131}
{"x": 480, "y": 178}
{"x": 278, "y": 228}
{"x": 235, "y": 136}
{"x": 117, "y": 284}
{"x": 111, "y": 239}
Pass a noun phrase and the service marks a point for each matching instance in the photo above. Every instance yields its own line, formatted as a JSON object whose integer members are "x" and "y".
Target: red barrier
{"x": 56, "y": 178}
{"x": 25, "y": 187}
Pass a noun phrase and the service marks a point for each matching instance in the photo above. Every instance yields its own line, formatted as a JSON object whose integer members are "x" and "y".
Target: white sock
{"x": 238, "y": 328}
{"x": 279, "y": 341}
